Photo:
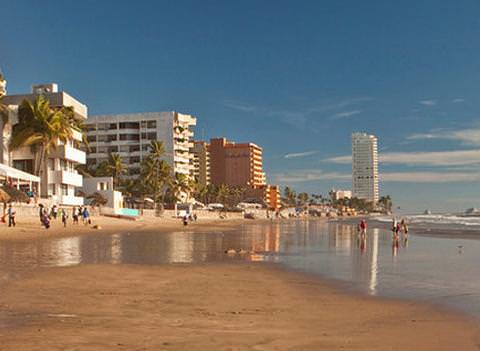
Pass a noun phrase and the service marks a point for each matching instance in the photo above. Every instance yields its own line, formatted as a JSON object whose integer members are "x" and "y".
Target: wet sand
{"x": 241, "y": 306}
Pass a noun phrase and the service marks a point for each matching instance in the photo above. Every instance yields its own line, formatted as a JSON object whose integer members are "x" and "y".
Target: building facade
{"x": 337, "y": 194}
{"x": 241, "y": 165}
{"x": 103, "y": 186}
{"x": 236, "y": 164}
{"x": 129, "y": 135}
{"x": 59, "y": 179}
{"x": 201, "y": 163}
{"x": 365, "y": 167}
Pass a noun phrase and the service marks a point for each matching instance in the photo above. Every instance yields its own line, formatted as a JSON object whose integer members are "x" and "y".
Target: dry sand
{"x": 29, "y": 228}
{"x": 213, "y": 307}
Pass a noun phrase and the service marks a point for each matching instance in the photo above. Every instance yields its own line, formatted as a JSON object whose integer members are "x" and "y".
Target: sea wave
{"x": 444, "y": 219}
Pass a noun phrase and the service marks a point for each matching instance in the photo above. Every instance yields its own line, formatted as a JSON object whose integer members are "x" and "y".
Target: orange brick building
{"x": 241, "y": 165}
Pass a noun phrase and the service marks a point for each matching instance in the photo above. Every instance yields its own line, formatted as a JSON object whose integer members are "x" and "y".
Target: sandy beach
{"x": 212, "y": 307}
{"x": 29, "y": 228}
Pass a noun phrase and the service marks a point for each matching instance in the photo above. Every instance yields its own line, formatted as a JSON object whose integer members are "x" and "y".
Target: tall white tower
{"x": 365, "y": 167}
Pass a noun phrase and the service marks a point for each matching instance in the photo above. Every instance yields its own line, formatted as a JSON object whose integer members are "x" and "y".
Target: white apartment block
{"x": 129, "y": 135}
{"x": 59, "y": 178}
{"x": 365, "y": 167}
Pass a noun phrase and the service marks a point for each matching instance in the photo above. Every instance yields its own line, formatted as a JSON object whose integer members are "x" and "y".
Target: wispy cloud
{"x": 300, "y": 154}
{"x": 300, "y": 117}
{"x": 428, "y": 102}
{"x": 309, "y": 175}
{"x": 345, "y": 114}
{"x": 429, "y": 177}
{"x": 467, "y": 136}
{"x": 239, "y": 106}
{"x": 435, "y": 158}
{"x": 457, "y": 100}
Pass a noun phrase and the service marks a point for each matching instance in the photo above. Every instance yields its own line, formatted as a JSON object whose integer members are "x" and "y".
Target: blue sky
{"x": 296, "y": 77}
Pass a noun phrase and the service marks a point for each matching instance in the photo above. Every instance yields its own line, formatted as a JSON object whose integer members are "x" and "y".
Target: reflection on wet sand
{"x": 374, "y": 263}
{"x": 144, "y": 248}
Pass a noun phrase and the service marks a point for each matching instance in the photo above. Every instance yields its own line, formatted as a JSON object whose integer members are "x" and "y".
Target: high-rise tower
{"x": 365, "y": 167}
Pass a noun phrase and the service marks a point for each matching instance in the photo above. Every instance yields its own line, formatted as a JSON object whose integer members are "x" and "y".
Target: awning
{"x": 11, "y": 172}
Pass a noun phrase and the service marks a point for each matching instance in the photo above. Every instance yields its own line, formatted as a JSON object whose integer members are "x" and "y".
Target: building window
{"x": 129, "y": 137}
{"x": 51, "y": 189}
{"x": 51, "y": 164}
{"x": 23, "y": 165}
{"x": 129, "y": 125}
{"x": 91, "y": 138}
{"x": 64, "y": 188}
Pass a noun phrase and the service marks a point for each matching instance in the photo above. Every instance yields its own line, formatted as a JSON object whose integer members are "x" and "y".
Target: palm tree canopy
{"x": 97, "y": 199}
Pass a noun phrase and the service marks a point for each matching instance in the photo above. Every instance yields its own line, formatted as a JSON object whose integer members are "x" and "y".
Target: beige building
{"x": 201, "y": 163}
{"x": 59, "y": 178}
{"x": 129, "y": 135}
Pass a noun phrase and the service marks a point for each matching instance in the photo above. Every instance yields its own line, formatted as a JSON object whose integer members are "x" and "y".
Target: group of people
{"x": 398, "y": 227}
{"x": 47, "y": 214}
{"x": 81, "y": 213}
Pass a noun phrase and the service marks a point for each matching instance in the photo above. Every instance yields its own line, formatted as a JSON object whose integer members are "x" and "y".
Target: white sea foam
{"x": 444, "y": 219}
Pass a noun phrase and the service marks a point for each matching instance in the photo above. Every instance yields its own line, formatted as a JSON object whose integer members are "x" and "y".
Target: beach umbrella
{"x": 15, "y": 194}
{"x": 4, "y": 197}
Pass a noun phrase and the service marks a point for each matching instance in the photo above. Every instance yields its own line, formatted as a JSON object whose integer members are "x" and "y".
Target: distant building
{"x": 201, "y": 163}
{"x": 59, "y": 178}
{"x": 241, "y": 165}
{"x": 103, "y": 186}
{"x": 365, "y": 167}
{"x": 129, "y": 135}
{"x": 236, "y": 164}
{"x": 340, "y": 194}
{"x": 268, "y": 194}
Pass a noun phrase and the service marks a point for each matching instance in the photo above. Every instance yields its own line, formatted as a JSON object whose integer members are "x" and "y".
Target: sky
{"x": 295, "y": 77}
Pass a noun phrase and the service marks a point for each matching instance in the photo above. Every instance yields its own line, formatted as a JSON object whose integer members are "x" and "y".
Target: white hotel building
{"x": 365, "y": 167}
{"x": 129, "y": 135}
{"x": 60, "y": 178}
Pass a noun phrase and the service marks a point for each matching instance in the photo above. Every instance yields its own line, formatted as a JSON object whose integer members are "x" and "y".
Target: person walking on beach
{"x": 64, "y": 217}
{"x": 363, "y": 227}
{"x": 85, "y": 216}
{"x": 11, "y": 216}
{"x": 54, "y": 211}
{"x": 75, "y": 215}
{"x": 40, "y": 213}
{"x": 45, "y": 219}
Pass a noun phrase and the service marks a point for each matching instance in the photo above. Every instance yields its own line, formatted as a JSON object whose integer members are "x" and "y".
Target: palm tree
{"x": 3, "y": 107}
{"x": 115, "y": 168}
{"x": 386, "y": 203}
{"x": 289, "y": 196}
{"x": 178, "y": 185}
{"x": 97, "y": 200}
{"x": 155, "y": 173}
{"x": 223, "y": 194}
{"x": 42, "y": 128}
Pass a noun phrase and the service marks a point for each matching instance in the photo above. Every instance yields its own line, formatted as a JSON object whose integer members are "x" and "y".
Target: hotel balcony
{"x": 78, "y": 136}
{"x": 65, "y": 177}
{"x": 70, "y": 153}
